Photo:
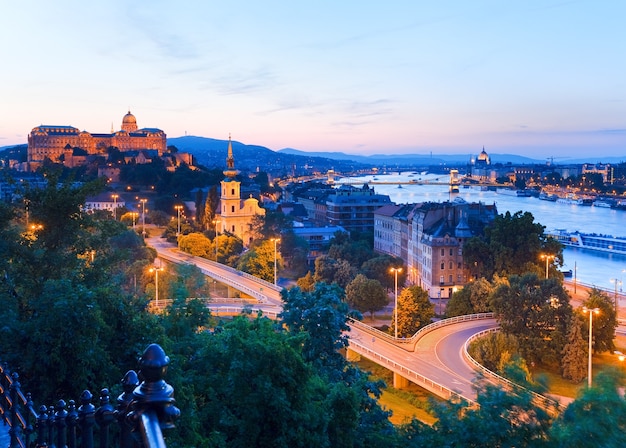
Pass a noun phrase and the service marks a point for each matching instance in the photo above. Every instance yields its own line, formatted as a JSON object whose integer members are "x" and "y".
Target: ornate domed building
{"x": 52, "y": 142}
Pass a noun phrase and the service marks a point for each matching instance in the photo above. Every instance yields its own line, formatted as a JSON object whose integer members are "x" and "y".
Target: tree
{"x": 259, "y": 261}
{"x": 604, "y": 323}
{"x": 596, "y": 418}
{"x": 197, "y": 245}
{"x": 378, "y": 268}
{"x": 306, "y": 283}
{"x": 320, "y": 316}
{"x": 414, "y": 311}
{"x": 536, "y": 312}
{"x": 512, "y": 245}
{"x": 246, "y": 400}
{"x": 575, "y": 353}
{"x": 366, "y": 295}
{"x": 475, "y": 297}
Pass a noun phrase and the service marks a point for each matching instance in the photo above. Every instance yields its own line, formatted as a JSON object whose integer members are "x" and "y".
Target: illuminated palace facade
{"x": 54, "y": 141}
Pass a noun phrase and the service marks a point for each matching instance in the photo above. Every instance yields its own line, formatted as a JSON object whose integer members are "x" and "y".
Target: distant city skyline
{"x": 538, "y": 78}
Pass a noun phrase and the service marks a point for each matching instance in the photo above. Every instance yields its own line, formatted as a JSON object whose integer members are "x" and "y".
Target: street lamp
{"x": 156, "y": 283}
{"x": 276, "y": 241}
{"x": 143, "y": 216}
{"x": 216, "y": 221}
{"x": 134, "y": 215}
{"x": 178, "y": 209}
{"x": 615, "y": 281}
{"x": 395, "y": 271}
{"x": 590, "y": 311}
{"x": 548, "y": 258}
{"x": 115, "y": 196}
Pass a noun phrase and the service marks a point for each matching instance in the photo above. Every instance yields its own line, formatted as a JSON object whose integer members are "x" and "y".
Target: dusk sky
{"x": 541, "y": 78}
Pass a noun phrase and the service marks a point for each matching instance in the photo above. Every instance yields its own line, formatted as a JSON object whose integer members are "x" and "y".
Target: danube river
{"x": 591, "y": 267}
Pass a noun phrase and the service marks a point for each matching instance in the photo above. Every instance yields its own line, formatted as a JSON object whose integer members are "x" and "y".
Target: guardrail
{"x": 415, "y": 377}
{"x": 257, "y": 294}
{"x": 546, "y": 403}
{"x": 422, "y": 331}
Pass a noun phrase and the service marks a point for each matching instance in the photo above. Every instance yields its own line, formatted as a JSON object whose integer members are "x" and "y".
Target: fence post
{"x": 105, "y": 415}
{"x": 72, "y": 423}
{"x": 86, "y": 417}
{"x": 60, "y": 422}
{"x": 129, "y": 383}
{"x": 153, "y": 405}
{"x": 14, "y": 391}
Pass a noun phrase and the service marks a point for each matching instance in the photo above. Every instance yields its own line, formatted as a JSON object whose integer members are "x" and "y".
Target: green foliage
{"x": 604, "y": 323}
{"x": 575, "y": 353}
{"x": 378, "y": 268}
{"x": 414, "y": 311}
{"x": 493, "y": 350}
{"x": 259, "y": 261}
{"x": 197, "y": 245}
{"x": 366, "y": 295}
{"x": 536, "y": 312}
{"x": 475, "y": 297}
{"x": 512, "y": 245}
{"x": 330, "y": 270}
{"x": 321, "y": 316}
{"x": 596, "y": 418}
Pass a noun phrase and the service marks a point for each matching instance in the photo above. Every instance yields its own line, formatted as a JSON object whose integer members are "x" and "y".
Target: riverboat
{"x": 592, "y": 241}
{"x": 513, "y": 192}
{"x": 548, "y": 197}
{"x": 569, "y": 201}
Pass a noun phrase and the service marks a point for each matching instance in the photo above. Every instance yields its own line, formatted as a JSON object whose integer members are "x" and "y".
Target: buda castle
{"x": 59, "y": 143}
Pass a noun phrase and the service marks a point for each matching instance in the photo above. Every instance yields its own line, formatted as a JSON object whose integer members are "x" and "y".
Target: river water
{"x": 590, "y": 267}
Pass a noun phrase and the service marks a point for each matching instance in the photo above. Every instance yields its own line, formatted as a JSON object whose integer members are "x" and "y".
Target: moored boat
{"x": 592, "y": 241}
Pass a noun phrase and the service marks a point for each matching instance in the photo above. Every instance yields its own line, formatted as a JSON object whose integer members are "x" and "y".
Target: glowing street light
{"x": 396, "y": 271}
{"x": 548, "y": 258}
{"x": 156, "y": 270}
{"x": 591, "y": 311}
{"x": 178, "y": 209}
{"x": 216, "y": 221}
{"x": 134, "y": 215}
{"x": 276, "y": 241}
{"x": 143, "y": 216}
{"x": 115, "y": 196}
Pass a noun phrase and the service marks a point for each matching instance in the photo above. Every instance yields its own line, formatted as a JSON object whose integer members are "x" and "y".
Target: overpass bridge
{"x": 434, "y": 358}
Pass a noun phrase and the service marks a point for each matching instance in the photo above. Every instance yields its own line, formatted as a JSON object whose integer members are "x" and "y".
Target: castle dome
{"x": 129, "y": 122}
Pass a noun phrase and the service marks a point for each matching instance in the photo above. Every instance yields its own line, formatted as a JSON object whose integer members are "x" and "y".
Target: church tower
{"x": 236, "y": 214}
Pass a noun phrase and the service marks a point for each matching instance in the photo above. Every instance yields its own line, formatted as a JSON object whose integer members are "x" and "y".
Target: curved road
{"x": 436, "y": 363}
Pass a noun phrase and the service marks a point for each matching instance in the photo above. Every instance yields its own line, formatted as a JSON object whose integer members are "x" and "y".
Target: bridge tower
{"x": 455, "y": 181}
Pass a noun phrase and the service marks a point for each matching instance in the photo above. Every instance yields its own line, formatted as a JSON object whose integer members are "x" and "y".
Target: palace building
{"x": 55, "y": 142}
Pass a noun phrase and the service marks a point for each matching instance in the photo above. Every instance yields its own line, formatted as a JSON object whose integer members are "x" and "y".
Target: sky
{"x": 541, "y": 78}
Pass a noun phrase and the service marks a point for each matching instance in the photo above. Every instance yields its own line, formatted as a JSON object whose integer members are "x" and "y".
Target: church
{"x": 236, "y": 214}
{"x": 54, "y": 142}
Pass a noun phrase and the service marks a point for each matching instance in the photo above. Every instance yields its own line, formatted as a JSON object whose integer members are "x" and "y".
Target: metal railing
{"x": 142, "y": 411}
{"x": 417, "y": 378}
{"x": 549, "y": 404}
{"x": 412, "y": 341}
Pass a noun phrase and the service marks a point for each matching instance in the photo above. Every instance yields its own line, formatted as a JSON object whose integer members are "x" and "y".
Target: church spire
{"x": 230, "y": 172}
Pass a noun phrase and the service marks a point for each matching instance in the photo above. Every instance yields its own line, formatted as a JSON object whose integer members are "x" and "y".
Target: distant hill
{"x": 416, "y": 159}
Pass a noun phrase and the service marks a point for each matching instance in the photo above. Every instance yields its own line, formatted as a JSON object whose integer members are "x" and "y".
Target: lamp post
{"x": 615, "y": 281}
{"x": 178, "y": 209}
{"x": 143, "y": 216}
{"x": 395, "y": 271}
{"x": 216, "y": 221}
{"x": 590, "y": 311}
{"x": 134, "y": 215}
{"x": 276, "y": 241}
{"x": 115, "y": 196}
{"x": 156, "y": 283}
{"x": 548, "y": 258}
